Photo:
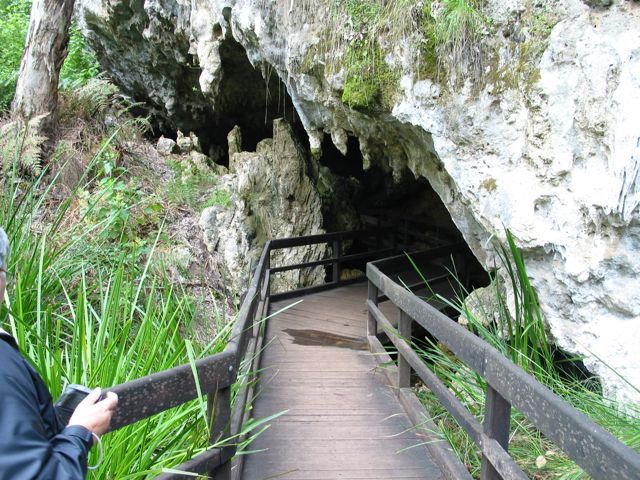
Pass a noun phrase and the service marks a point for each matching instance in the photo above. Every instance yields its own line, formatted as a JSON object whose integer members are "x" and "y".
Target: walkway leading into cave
{"x": 342, "y": 419}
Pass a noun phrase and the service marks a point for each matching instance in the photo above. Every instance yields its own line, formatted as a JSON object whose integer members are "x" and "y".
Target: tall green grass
{"x": 82, "y": 317}
{"x": 520, "y": 335}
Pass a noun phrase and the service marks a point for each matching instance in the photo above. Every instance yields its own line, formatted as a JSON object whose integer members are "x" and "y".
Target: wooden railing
{"x": 147, "y": 396}
{"x": 336, "y": 243}
{"x": 590, "y": 446}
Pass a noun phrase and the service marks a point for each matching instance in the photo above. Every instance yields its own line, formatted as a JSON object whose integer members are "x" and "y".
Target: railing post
{"x": 496, "y": 426}
{"x": 337, "y": 247}
{"x": 219, "y": 413}
{"x": 404, "y": 369}
{"x": 372, "y": 325}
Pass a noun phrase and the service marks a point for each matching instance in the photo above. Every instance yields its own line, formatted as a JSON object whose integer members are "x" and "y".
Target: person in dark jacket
{"x": 33, "y": 442}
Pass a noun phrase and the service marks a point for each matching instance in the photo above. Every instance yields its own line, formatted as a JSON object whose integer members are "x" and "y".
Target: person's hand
{"x": 93, "y": 415}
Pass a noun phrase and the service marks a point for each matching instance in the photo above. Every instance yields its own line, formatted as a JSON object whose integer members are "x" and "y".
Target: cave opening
{"x": 410, "y": 204}
{"x": 250, "y": 98}
{"x": 374, "y": 199}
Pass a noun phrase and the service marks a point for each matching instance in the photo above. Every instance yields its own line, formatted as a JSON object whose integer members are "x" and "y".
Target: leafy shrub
{"x": 189, "y": 182}
{"x": 121, "y": 208}
{"x": 81, "y": 64}
{"x": 20, "y": 144}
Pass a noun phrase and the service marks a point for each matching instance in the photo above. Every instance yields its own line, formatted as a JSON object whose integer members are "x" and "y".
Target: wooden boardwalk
{"x": 342, "y": 420}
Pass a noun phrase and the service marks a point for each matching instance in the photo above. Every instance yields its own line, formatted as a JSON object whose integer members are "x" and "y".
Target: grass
{"x": 87, "y": 305}
{"x": 361, "y": 34}
{"x": 520, "y": 335}
{"x": 80, "y": 319}
{"x": 457, "y": 31}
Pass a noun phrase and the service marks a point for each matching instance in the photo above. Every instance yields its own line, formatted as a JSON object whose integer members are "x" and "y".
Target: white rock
{"x": 271, "y": 197}
{"x": 556, "y": 161}
{"x": 166, "y": 146}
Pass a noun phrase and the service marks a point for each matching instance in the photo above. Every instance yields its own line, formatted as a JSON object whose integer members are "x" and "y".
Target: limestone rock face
{"x": 553, "y": 154}
{"x": 271, "y": 197}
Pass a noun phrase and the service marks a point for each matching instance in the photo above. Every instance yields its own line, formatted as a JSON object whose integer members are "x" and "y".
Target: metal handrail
{"x": 597, "y": 451}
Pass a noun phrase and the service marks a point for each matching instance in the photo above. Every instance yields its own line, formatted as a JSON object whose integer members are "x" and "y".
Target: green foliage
{"x": 95, "y": 99}
{"x": 437, "y": 36}
{"x": 452, "y": 32}
{"x": 79, "y": 66}
{"x": 126, "y": 214}
{"x": 363, "y": 13}
{"x": 523, "y": 339}
{"x": 427, "y": 63}
{"x": 368, "y": 77}
{"x": 14, "y": 21}
{"x": 20, "y": 144}
{"x": 219, "y": 197}
{"x": 542, "y": 20}
{"x": 189, "y": 183}
{"x": 370, "y": 83}
{"x": 86, "y": 309}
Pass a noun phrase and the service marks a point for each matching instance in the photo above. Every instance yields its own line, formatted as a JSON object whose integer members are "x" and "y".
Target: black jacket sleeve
{"x": 30, "y": 445}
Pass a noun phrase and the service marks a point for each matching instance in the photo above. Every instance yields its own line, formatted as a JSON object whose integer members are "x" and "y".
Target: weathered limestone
{"x": 166, "y": 146}
{"x": 271, "y": 197}
{"x": 551, "y": 154}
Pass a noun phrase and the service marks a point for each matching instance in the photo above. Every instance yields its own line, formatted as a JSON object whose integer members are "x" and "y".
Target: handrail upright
{"x": 216, "y": 374}
{"x": 593, "y": 448}
{"x": 372, "y": 294}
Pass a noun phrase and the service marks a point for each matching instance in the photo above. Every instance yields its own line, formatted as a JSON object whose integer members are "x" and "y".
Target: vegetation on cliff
{"x": 449, "y": 42}
{"x": 438, "y": 37}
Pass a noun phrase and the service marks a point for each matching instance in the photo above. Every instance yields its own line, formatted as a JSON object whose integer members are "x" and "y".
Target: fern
{"x": 20, "y": 146}
{"x": 181, "y": 193}
{"x": 94, "y": 99}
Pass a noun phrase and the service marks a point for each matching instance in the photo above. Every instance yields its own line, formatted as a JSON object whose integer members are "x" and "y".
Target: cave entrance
{"x": 248, "y": 97}
{"x": 362, "y": 199}
{"x": 376, "y": 200}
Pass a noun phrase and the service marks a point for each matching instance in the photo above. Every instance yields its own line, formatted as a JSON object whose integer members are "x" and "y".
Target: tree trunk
{"x": 44, "y": 53}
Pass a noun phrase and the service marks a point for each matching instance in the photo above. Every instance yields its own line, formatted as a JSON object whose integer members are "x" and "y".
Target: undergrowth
{"x": 191, "y": 184}
{"x": 90, "y": 299}
{"x": 82, "y": 316}
{"x": 518, "y": 333}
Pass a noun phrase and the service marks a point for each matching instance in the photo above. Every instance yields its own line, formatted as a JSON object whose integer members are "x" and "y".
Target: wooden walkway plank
{"x": 343, "y": 421}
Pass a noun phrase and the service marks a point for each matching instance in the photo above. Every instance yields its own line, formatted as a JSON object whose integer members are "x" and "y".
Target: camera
{"x": 69, "y": 400}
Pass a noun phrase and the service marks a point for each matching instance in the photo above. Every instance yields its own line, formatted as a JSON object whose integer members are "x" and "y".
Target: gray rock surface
{"x": 547, "y": 145}
{"x": 166, "y": 146}
{"x": 271, "y": 197}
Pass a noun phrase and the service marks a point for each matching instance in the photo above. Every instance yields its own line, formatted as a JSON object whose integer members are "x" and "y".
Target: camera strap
{"x": 101, "y": 452}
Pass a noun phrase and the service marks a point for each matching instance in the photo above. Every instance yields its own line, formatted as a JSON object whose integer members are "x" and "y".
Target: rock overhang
{"x": 557, "y": 167}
